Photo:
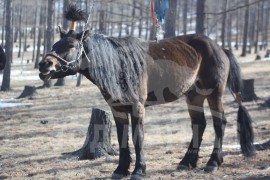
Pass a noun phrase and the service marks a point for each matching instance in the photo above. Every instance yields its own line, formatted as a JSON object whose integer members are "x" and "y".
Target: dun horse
{"x": 133, "y": 74}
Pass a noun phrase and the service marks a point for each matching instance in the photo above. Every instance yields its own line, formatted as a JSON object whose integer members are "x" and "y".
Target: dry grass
{"x": 31, "y": 150}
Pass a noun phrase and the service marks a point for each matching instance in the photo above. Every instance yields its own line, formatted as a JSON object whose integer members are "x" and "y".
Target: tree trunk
{"x": 98, "y": 139}
{"x": 257, "y": 27}
{"x": 237, "y": 31}
{"x": 35, "y": 36}
{"x": 79, "y": 80}
{"x": 185, "y": 16}
{"x": 200, "y": 29}
{"x": 170, "y": 19}
{"x": 3, "y": 24}
{"x": 267, "y": 13}
{"x": 229, "y": 31}
{"x": 29, "y": 91}
{"x": 121, "y": 21}
{"x": 49, "y": 32}
{"x": 39, "y": 38}
{"x": 224, "y": 18}
{"x": 8, "y": 48}
{"x": 65, "y": 22}
{"x": 248, "y": 93}
{"x": 61, "y": 81}
{"x": 133, "y": 23}
{"x": 102, "y": 28}
{"x": 20, "y": 30}
{"x": 25, "y": 35}
{"x": 245, "y": 36}
{"x": 2, "y": 59}
{"x": 140, "y": 19}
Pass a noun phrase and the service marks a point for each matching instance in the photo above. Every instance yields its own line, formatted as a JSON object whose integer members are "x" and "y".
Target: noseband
{"x": 67, "y": 64}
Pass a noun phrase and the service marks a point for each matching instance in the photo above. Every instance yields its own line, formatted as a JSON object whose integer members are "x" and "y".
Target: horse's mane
{"x": 117, "y": 66}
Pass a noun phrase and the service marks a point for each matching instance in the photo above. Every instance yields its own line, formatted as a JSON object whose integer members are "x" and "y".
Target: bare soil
{"x": 55, "y": 121}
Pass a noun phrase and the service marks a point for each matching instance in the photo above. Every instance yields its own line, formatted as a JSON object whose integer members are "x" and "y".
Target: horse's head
{"x": 64, "y": 58}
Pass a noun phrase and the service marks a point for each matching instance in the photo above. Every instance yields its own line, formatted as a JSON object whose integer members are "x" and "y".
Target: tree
{"x": 224, "y": 18}
{"x": 200, "y": 29}
{"x": 41, "y": 11}
{"x": 170, "y": 19}
{"x": 61, "y": 81}
{"x": 185, "y": 16}
{"x": 50, "y": 31}
{"x": 8, "y": 47}
{"x": 245, "y": 36}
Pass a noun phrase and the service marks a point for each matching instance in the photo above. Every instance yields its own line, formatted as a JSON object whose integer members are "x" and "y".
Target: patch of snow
{"x": 9, "y": 105}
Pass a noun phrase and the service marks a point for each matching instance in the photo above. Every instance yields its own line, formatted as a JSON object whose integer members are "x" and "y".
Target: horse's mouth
{"x": 46, "y": 76}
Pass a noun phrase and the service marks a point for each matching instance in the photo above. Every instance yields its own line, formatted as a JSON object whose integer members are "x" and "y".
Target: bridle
{"x": 68, "y": 65}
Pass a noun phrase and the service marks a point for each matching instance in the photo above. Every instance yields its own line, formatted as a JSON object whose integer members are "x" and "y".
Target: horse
{"x": 2, "y": 59}
{"x": 129, "y": 71}
{"x": 133, "y": 74}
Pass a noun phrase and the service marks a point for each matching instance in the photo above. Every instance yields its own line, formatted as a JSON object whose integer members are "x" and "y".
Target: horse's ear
{"x": 85, "y": 35}
{"x": 62, "y": 32}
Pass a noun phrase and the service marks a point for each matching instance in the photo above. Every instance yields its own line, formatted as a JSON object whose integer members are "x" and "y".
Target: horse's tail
{"x": 244, "y": 121}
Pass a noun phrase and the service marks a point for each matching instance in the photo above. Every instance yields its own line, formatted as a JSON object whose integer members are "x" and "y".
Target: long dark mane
{"x": 117, "y": 66}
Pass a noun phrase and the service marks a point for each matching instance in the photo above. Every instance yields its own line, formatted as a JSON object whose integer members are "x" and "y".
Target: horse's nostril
{"x": 41, "y": 63}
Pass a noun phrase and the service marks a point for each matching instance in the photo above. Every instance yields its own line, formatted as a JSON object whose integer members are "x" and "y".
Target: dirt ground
{"x": 32, "y": 150}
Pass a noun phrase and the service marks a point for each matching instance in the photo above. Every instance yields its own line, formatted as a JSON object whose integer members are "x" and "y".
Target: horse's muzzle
{"x": 47, "y": 68}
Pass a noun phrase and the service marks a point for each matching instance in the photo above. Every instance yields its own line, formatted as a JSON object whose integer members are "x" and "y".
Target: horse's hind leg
{"x": 195, "y": 107}
{"x": 219, "y": 121}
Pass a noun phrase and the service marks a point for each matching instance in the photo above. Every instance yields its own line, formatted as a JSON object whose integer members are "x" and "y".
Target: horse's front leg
{"x": 137, "y": 120}
{"x": 122, "y": 124}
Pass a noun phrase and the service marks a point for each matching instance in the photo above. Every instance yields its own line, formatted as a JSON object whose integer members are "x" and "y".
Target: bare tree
{"x": 224, "y": 18}
{"x": 41, "y": 11}
{"x": 50, "y": 31}
{"x": 8, "y": 47}
{"x": 61, "y": 81}
{"x": 200, "y": 29}
{"x": 185, "y": 16}
{"x": 170, "y": 19}
{"x": 245, "y": 36}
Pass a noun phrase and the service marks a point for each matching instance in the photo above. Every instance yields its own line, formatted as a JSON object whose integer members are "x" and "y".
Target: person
{"x": 2, "y": 58}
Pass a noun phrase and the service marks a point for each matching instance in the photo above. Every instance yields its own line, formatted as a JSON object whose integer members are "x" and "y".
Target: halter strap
{"x": 57, "y": 57}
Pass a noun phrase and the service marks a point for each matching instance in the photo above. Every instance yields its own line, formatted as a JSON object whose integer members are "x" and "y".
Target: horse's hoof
{"x": 118, "y": 176}
{"x": 138, "y": 174}
{"x": 137, "y": 177}
{"x": 210, "y": 169}
{"x": 181, "y": 167}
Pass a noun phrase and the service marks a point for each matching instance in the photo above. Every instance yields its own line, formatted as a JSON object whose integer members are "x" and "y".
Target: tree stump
{"x": 263, "y": 146}
{"x": 29, "y": 91}
{"x": 267, "y": 55}
{"x": 248, "y": 93}
{"x": 266, "y": 103}
{"x": 258, "y": 57}
{"x": 60, "y": 82}
{"x": 98, "y": 139}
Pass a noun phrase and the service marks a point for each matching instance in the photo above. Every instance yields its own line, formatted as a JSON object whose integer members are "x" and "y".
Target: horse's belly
{"x": 169, "y": 87}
